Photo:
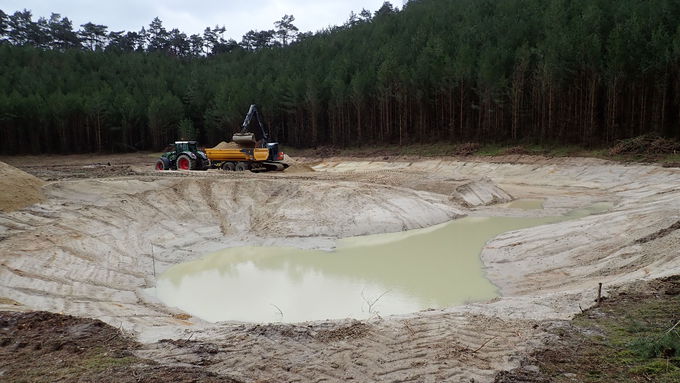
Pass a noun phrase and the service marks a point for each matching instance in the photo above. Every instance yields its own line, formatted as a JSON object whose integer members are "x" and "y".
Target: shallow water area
{"x": 525, "y": 204}
{"x": 366, "y": 276}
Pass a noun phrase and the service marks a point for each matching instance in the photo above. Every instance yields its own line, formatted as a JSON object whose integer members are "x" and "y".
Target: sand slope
{"x": 296, "y": 166}
{"x": 19, "y": 189}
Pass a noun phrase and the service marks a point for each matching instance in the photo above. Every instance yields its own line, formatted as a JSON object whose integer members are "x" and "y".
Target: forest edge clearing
{"x": 507, "y": 323}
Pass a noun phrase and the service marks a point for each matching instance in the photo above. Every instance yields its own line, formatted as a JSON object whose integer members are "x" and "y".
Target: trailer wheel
{"x": 162, "y": 164}
{"x": 242, "y": 166}
{"x": 228, "y": 166}
{"x": 184, "y": 162}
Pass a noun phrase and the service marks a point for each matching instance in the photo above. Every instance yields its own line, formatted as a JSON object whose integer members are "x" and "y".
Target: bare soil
{"x": 81, "y": 166}
{"x": 46, "y": 347}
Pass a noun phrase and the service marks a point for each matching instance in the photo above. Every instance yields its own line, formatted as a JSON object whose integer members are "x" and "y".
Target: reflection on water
{"x": 373, "y": 275}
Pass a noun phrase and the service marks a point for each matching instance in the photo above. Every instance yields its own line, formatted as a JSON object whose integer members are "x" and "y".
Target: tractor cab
{"x": 185, "y": 146}
{"x": 183, "y": 155}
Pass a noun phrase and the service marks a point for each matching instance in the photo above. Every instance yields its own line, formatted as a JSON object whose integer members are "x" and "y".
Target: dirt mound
{"x": 19, "y": 189}
{"x": 226, "y": 145}
{"x": 479, "y": 193}
{"x": 354, "y": 330}
{"x": 296, "y": 166}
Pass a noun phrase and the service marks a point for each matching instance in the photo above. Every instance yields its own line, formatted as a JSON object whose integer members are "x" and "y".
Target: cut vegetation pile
{"x": 467, "y": 149}
{"x": 19, "y": 189}
{"x": 646, "y": 145}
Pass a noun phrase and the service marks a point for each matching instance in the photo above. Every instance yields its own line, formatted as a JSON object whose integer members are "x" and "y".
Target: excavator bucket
{"x": 245, "y": 139}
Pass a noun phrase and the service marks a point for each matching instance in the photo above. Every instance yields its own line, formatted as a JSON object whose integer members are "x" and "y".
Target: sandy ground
{"x": 19, "y": 189}
{"x": 110, "y": 224}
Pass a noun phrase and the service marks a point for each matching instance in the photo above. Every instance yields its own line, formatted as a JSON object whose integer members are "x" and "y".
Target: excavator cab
{"x": 274, "y": 153}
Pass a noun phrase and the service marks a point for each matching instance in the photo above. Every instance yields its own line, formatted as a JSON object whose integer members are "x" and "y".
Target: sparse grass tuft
{"x": 633, "y": 336}
{"x": 101, "y": 362}
{"x": 664, "y": 346}
{"x": 491, "y": 150}
{"x": 658, "y": 367}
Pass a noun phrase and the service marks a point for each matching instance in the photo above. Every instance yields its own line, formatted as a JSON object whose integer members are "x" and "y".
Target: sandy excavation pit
{"x": 361, "y": 278}
{"x": 92, "y": 248}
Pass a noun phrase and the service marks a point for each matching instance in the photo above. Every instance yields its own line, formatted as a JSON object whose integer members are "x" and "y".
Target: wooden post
{"x": 599, "y": 293}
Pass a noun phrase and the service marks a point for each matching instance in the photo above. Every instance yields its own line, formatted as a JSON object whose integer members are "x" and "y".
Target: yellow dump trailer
{"x": 240, "y": 159}
{"x": 245, "y": 154}
{"x": 252, "y": 151}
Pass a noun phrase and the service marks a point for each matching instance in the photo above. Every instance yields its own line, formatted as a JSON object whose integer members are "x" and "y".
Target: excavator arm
{"x": 243, "y": 136}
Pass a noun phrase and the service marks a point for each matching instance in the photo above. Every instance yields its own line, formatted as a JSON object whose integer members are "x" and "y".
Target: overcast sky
{"x": 193, "y": 16}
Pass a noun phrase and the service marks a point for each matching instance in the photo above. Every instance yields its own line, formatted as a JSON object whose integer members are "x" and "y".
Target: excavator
{"x": 249, "y": 151}
{"x": 255, "y": 151}
{"x": 248, "y": 138}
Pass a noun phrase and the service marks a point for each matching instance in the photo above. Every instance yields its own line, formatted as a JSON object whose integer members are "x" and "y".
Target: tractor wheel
{"x": 162, "y": 164}
{"x": 242, "y": 166}
{"x": 185, "y": 162}
{"x": 202, "y": 164}
{"x": 228, "y": 166}
{"x": 206, "y": 165}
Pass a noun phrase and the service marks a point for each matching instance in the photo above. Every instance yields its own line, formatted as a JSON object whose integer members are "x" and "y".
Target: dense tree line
{"x": 564, "y": 71}
{"x": 56, "y": 33}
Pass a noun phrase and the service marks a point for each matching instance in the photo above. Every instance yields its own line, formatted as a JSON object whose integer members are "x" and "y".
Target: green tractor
{"x": 184, "y": 156}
